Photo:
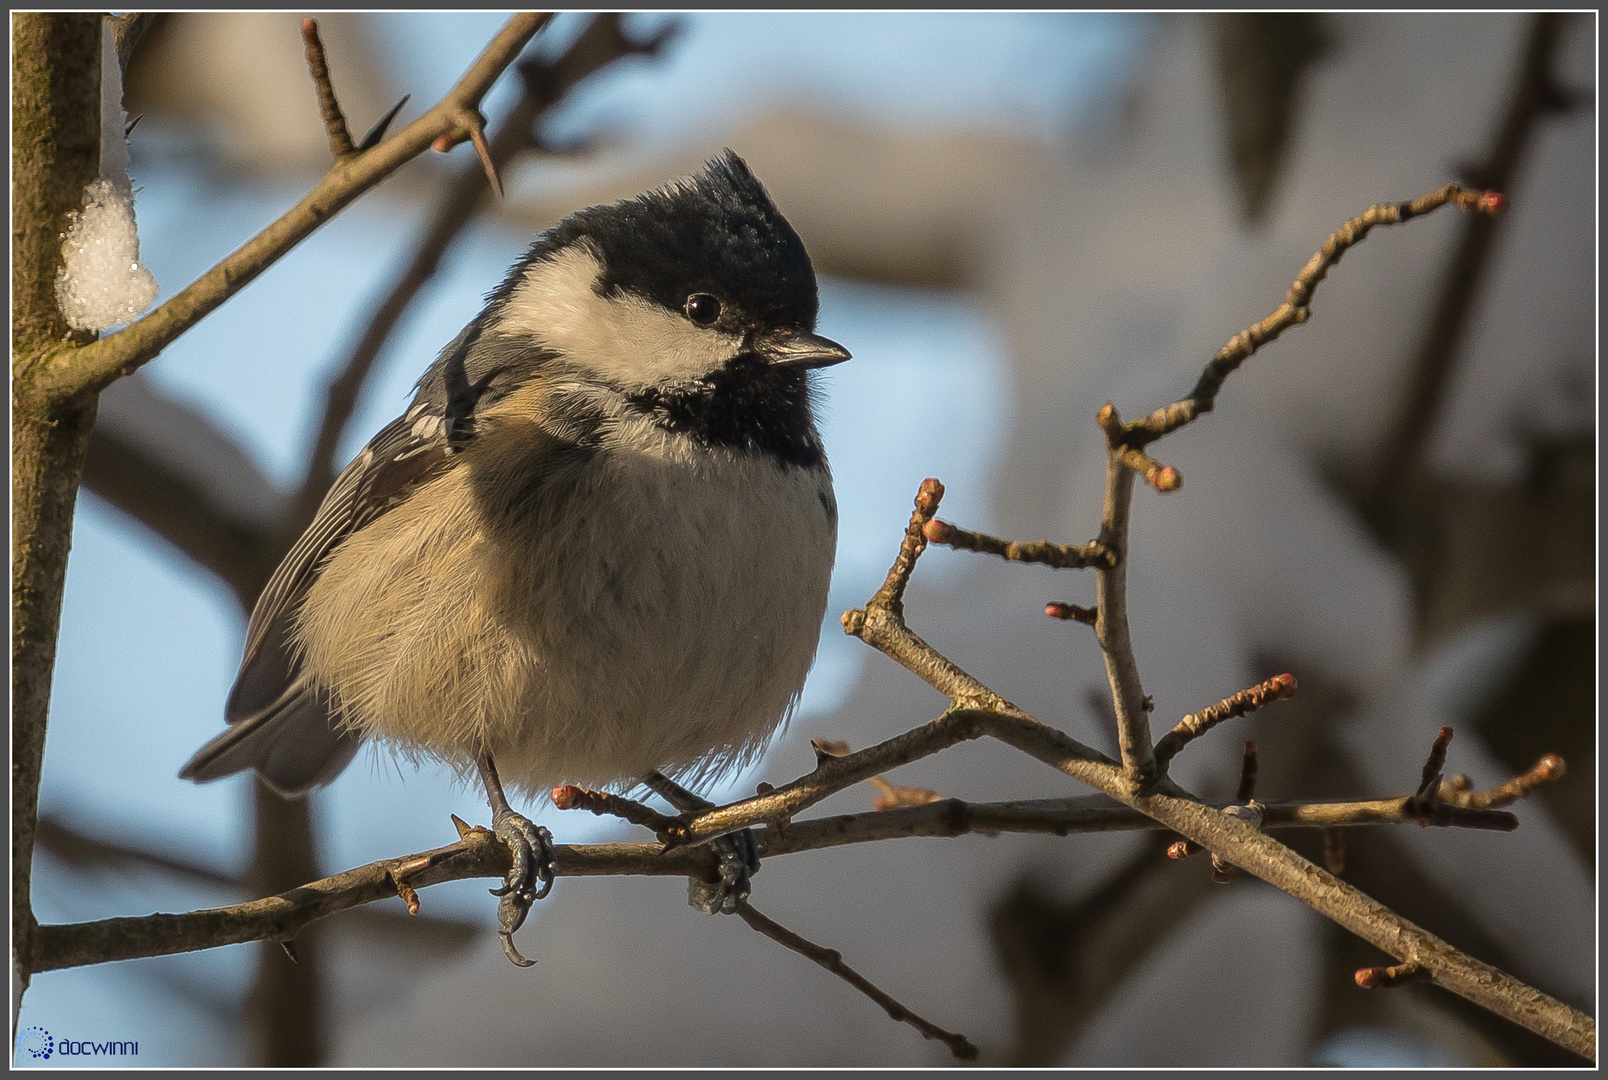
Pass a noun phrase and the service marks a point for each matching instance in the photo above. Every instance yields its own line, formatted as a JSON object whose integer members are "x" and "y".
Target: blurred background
{"x": 1016, "y": 218}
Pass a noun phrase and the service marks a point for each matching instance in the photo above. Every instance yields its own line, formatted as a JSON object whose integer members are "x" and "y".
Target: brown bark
{"x": 55, "y": 152}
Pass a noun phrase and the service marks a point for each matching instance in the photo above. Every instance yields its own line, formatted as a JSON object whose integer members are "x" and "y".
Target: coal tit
{"x": 596, "y": 546}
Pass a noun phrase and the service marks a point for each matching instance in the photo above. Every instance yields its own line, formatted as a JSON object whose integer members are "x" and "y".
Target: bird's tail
{"x": 294, "y": 744}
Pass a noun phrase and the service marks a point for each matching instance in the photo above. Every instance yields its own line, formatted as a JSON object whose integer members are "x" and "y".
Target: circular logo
{"x": 36, "y": 1042}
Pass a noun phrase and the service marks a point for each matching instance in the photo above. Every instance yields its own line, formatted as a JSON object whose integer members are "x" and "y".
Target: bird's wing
{"x": 277, "y": 724}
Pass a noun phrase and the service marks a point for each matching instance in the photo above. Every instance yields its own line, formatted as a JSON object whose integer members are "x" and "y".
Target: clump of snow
{"x": 102, "y": 283}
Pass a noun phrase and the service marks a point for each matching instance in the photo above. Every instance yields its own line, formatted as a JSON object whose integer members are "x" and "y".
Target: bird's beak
{"x": 796, "y": 348}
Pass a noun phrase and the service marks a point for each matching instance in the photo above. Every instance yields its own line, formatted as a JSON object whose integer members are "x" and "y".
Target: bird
{"x": 594, "y": 550}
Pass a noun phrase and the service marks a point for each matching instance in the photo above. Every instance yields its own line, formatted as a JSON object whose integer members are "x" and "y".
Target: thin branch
{"x": 1195, "y": 725}
{"x": 1060, "y": 556}
{"x": 1111, "y": 600}
{"x": 1296, "y": 308}
{"x": 832, "y": 961}
{"x": 68, "y": 372}
{"x": 602, "y": 803}
{"x": 340, "y": 139}
{"x": 1057, "y": 609}
{"x": 1549, "y": 768}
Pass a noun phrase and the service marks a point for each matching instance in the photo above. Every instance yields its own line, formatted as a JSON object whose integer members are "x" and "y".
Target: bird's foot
{"x": 529, "y": 878}
{"x": 739, "y": 860}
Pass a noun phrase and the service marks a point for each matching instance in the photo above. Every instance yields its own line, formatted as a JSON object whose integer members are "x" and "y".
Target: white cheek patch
{"x": 625, "y": 340}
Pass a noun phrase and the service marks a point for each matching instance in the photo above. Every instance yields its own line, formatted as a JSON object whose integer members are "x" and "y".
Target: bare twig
{"x": 1549, "y": 768}
{"x": 832, "y": 961}
{"x": 340, "y": 139}
{"x": 68, "y": 372}
{"x": 1056, "y": 609}
{"x": 602, "y": 803}
{"x": 1060, "y": 556}
{"x": 1111, "y": 599}
{"x": 1195, "y": 725}
{"x": 1296, "y": 308}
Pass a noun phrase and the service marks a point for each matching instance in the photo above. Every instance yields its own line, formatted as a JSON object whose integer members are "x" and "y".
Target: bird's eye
{"x": 703, "y": 309}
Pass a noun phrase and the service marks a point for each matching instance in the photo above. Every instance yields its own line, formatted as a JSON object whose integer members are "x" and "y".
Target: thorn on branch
{"x": 289, "y": 945}
{"x": 340, "y": 139}
{"x": 832, "y": 961}
{"x": 477, "y": 135}
{"x": 1246, "y": 701}
{"x": 1423, "y": 802}
{"x": 827, "y": 749}
{"x": 377, "y": 132}
{"x": 1383, "y": 978}
{"x": 132, "y": 124}
{"x": 1060, "y": 556}
{"x": 463, "y": 827}
{"x": 1055, "y": 609}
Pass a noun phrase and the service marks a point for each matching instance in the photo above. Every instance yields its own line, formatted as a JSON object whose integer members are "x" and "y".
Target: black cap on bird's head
{"x": 716, "y": 232}
{"x": 711, "y": 254}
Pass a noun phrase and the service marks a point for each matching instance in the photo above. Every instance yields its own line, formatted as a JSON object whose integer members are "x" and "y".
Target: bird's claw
{"x": 739, "y": 860}
{"x": 529, "y": 878}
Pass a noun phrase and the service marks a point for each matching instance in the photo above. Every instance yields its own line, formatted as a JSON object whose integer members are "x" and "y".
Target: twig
{"x": 340, "y": 139}
{"x": 832, "y": 961}
{"x": 1549, "y": 768}
{"x": 71, "y": 371}
{"x": 1128, "y": 698}
{"x": 1195, "y": 725}
{"x": 1060, "y": 556}
{"x": 1164, "y": 478}
{"x": 1055, "y": 609}
{"x": 1296, "y": 307}
{"x": 602, "y": 803}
